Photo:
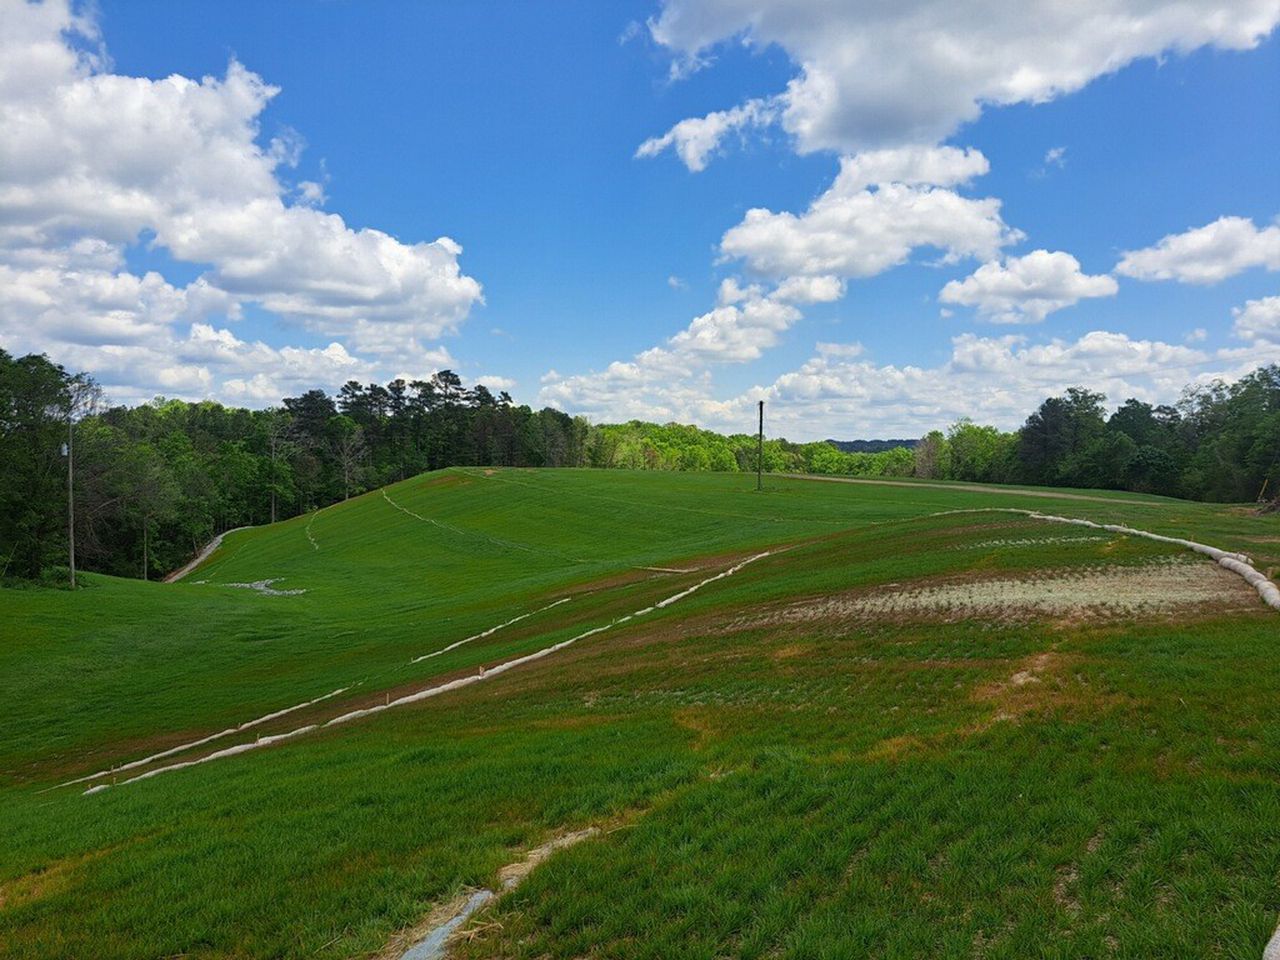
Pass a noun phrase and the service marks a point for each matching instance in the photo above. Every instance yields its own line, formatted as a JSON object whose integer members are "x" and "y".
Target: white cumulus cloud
{"x": 860, "y": 227}
{"x": 495, "y": 382}
{"x": 914, "y": 165}
{"x": 872, "y": 75}
{"x": 674, "y": 378}
{"x": 1208, "y": 254}
{"x": 1258, "y": 320}
{"x": 1027, "y": 289}
{"x": 996, "y": 380}
{"x": 695, "y": 139}
{"x": 842, "y": 392}
{"x": 93, "y": 162}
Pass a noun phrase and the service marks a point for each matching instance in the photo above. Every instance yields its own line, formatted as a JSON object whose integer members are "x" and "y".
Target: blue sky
{"x": 175, "y": 250}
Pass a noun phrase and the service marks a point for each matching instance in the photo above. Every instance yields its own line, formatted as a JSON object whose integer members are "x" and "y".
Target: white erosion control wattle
{"x": 263, "y": 587}
{"x": 216, "y": 755}
{"x": 1272, "y": 950}
{"x": 489, "y": 632}
{"x": 1237, "y": 563}
{"x": 434, "y": 946}
{"x": 458, "y": 530}
{"x": 182, "y": 747}
{"x": 315, "y": 545}
{"x": 420, "y": 695}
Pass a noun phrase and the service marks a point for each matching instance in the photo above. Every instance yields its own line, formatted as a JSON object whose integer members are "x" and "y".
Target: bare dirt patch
{"x": 698, "y": 722}
{"x": 1049, "y": 681}
{"x": 515, "y": 873}
{"x": 1034, "y": 670}
{"x": 1100, "y": 592}
{"x": 1064, "y": 887}
{"x": 1046, "y": 682}
{"x": 624, "y": 578}
{"x": 1028, "y": 542}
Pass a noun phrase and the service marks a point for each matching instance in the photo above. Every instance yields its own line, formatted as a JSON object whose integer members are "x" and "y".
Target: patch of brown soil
{"x": 1099, "y": 592}
{"x": 1064, "y": 886}
{"x": 1067, "y": 878}
{"x": 513, "y": 873}
{"x": 1031, "y": 670}
{"x": 1044, "y": 682}
{"x": 1041, "y": 683}
{"x": 698, "y": 721}
{"x": 624, "y": 578}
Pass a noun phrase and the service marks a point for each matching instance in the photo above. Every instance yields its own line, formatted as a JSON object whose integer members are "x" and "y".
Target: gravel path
{"x": 202, "y": 556}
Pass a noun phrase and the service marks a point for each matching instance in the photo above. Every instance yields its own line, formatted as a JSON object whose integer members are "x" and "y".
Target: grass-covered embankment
{"x": 830, "y": 786}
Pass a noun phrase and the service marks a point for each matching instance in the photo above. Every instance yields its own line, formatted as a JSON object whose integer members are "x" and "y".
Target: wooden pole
{"x": 71, "y": 500}
{"x": 760, "y": 451}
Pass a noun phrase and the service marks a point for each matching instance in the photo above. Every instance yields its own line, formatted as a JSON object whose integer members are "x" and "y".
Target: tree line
{"x": 152, "y": 483}
{"x": 1220, "y": 442}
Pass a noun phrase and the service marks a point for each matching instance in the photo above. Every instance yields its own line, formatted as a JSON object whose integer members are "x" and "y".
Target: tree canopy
{"x": 155, "y": 481}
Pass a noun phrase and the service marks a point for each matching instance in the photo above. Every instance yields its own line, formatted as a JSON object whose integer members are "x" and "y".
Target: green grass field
{"x": 814, "y": 757}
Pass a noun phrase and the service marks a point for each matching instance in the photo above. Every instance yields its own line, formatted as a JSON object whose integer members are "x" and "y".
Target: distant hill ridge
{"x": 870, "y": 446}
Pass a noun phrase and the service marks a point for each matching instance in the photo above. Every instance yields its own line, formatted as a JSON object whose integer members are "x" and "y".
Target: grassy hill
{"x": 879, "y": 739}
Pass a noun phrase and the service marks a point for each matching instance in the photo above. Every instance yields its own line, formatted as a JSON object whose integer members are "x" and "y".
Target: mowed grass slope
{"x": 846, "y": 785}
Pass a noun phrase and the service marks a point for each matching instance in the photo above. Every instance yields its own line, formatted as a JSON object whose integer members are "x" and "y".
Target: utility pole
{"x": 760, "y": 451}
{"x": 71, "y": 499}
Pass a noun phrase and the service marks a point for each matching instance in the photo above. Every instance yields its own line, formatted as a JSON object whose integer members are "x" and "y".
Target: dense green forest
{"x": 154, "y": 482}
